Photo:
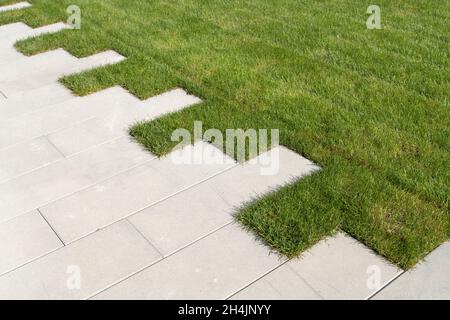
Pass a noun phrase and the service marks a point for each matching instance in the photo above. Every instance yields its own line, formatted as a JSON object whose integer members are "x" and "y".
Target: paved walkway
{"x": 429, "y": 280}
{"x": 86, "y": 213}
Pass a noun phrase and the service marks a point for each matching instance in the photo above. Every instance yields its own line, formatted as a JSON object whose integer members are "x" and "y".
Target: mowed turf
{"x": 371, "y": 107}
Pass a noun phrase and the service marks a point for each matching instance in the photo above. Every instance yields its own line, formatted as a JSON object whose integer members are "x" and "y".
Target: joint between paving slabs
{"x": 155, "y": 203}
{"x": 387, "y": 284}
{"x": 54, "y": 231}
{"x": 257, "y": 279}
{"x": 158, "y": 261}
{"x": 146, "y": 239}
{"x": 54, "y": 146}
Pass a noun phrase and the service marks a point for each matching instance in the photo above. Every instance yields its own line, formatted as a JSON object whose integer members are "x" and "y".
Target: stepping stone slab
{"x": 11, "y": 33}
{"x": 24, "y": 239}
{"x": 47, "y": 68}
{"x": 212, "y": 268}
{"x": 26, "y": 157}
{"x": 183, "y": 219}
{"x": 203, "y": 209}
{"x": 429, "y": 280}
{"x": 116, "y": 121}
{"x": 67, "y": 176}
{"x": 125, "y": 194}
{"x": 31, "y": 67}
{"x": 34, "y": 100}
{"x": 12, "y": 30}
{"x": 100, "y": 260}
{"x": 16, "y": 6}
{"x": 32, "y": 154}
{"x": 336, "y": 268}
{"x": 247, "y": 182}
{"x": 61, "y": 116}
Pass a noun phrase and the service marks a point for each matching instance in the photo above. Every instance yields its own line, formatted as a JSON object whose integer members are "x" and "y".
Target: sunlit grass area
{"x": 371, "y": 107}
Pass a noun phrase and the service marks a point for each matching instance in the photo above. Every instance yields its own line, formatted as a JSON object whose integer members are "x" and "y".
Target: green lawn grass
{"x": 371, "y": 107}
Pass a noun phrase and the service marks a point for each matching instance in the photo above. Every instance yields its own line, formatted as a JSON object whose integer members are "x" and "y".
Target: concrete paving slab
{"x": 246, "y": 182}
{"x": 11, "y": 33}
{"x": 98, "y": 206}
{"x": 429, "y": 280}
{"x": 212, "y": 268}
{"x": 25, "y": 157}
{"x": 9, "y": 54}
{"x": 281, "y": 284}
{"x": 116, "y": 121}
{"x": 123, "y": 195}
{"x": 336, "y": 268}
{"x": 34, "y": 100}
{"x": 49, "y": 70}
{"x": 86, "y": 134}
{"x": 24, "y": 239}
{"x": 61, "y": 116}
{"x": 343, "y": 268}
{"x": 188, "y": 172}
{"x": 83, "y": 268}
{"x": 53, "y": 64}
{"x": 12, "y": 30}
{"x": 183, "y": 219}
{"x": 195, "y": 213}
{"x": 51, "y": 28}
{"x": 67, "y": 176}
{"x": 15, "y": 6}
{"x": 33, "y": 66}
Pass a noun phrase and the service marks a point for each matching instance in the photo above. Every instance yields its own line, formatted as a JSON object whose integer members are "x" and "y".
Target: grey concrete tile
{"x": 11, "y": 33}
{"x": 86, "y": 134}
{"x": 60, "y": 116}
{"x": 34, "y": 66}
{"x": 51, "y": 28}
{"x": 342, "y": 268}
{"x": 25, "y": 238}
{"x": 34, "y": 100}
{"x": 246, "y": 181}
{"x": 100, "y": 205}
{"x": 183, "y": 218}
{"x": 15, "y": 6}
{"x": 83, "y": 268}
{"x": 212, "y": 268}
{"x": 190, "y": 220}
{"x": 187, "y": 172}
{"x": 119, "y": 197}
{"x": 429, "y": 280}
{"x": 281, "y": 284}
{"x": 47, "y": 68}
{"x": 25, "y": 157}
{"x": 12, "y": 30}
{"x": 117, "y": 120}
{"x": 62, "y": 178}
{"x": 336, "y": 268}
